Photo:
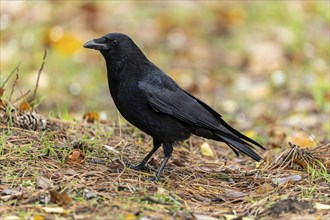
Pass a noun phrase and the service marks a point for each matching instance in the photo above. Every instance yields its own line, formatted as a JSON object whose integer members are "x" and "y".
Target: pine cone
{"x": 31, "y": 121}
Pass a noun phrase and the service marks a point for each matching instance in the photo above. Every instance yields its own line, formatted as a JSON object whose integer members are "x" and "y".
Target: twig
{"x": 13, "y": 87}
{"x": 22, "y": 96}
{"x": 12, "y": 72}
{"x": 19, "y": 98}
{"x": 40, "y": 70}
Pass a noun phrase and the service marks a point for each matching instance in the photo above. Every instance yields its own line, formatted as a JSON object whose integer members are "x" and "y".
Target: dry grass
{"x": 36, "y": 175}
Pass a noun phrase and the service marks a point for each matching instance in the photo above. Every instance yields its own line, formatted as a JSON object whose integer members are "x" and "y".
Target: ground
{"x": 78, "y": 170}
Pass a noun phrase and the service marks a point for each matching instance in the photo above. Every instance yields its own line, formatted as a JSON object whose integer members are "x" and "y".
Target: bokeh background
{"x": 256, "y": 62}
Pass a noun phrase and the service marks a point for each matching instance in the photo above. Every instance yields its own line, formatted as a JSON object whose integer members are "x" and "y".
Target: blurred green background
{"x": 253, "y": 61}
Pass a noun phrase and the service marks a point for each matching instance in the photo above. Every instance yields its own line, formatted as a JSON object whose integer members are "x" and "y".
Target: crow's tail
{"x": 238, "y": 141}
{"x": 237, "y": 145}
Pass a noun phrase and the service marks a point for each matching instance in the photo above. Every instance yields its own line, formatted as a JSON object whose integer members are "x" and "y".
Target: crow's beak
{"x": 97, "y": 44}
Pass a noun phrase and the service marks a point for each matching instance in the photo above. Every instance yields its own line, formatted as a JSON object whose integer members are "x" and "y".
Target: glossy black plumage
{"x": 153, "y": 102}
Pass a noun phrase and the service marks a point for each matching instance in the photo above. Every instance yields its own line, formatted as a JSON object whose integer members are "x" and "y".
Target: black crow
{"x": 153, "y": 102}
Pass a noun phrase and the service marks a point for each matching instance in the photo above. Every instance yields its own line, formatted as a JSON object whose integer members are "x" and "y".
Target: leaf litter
{"x": 193, "y": 183}
{"x": 78, "y": 170}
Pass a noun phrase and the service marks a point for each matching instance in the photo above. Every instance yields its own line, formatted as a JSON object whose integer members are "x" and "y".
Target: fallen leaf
{"x": 230, "y": 217}
{"x": 70, "y": 172}
{"x": 281, "y": 181}
{"x": 59, "y": 198}
{"x": 301, "y": 139}
{"x": 206, "y": 150}
{"x": 233, "y": 194}
{"x": 91, "y": 117}
{"x": 75, "y": 157}
{"x": 130, "y": 217}
{"x": 38, "y": 217}
{"x": 258, "y": 164}
{"x": 89, "y": 194}
{"x": 109, "y": 148}
{"x": 1, "y": 92}
{"x": 24, "y": 106}
{"x": 10, "y": 193}
{"x": 44, "y": 183}
{"x": 251, "y": 134}
{"x": 58, "y": 210}
{"x": 321, "y": 206}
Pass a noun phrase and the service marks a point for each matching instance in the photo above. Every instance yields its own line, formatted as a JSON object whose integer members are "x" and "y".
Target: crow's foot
{"x": 139, "y": 167}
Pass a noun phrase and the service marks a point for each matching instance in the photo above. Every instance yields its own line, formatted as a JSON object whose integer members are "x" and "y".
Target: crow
{"x": 153, "y": 102}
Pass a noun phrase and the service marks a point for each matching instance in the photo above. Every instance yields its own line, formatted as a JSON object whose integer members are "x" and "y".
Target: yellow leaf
{"x": 230, "y": 217}
{"x": 201, "y": 188}
{"x": 206, "y": 150}
{"x": 258, "y": 164}
{"x": 38, "y": 217}
{"x": 68, "y": 44}
{"x": 130, "y": 217}
{"x": 251, "y": 134}
{"x": 301, "y": 139}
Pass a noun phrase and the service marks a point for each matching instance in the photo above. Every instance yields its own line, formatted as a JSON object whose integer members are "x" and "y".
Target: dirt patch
{"x": 291, "y": 206}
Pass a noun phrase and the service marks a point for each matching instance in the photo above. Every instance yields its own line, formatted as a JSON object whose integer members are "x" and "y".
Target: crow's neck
{"x": 126, "y": 68}
{"x": 121, "y": 71}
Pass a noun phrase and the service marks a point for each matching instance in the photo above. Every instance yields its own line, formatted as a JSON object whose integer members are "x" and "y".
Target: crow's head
{"x": 113, "y": 45}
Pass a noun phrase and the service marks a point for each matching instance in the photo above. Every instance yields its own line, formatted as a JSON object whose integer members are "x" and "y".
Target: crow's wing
{"x": 167, "y": 97}
{"x": 181, "y": 105}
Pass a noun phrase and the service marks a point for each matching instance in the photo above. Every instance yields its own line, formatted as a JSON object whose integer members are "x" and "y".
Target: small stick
{"x": 22, "y": 96}
{"x": 12, "y": 72}
{"x": 40, "y": 70}
{"x": 13, "y": 87}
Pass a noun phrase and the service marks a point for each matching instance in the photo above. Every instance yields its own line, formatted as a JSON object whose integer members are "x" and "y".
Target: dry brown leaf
{"x": 59, "y": 198}
{"x": 2, "y": 90}
{"x": 75, "y": 157}
{"x": 24, "y": 106}
{"x": 91, "y": 117}
{"x": 44, "y": 183}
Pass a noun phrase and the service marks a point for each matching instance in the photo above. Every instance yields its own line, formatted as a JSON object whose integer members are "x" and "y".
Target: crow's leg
{"x": 168, "y": 149}
{"x": 142, "y": 164}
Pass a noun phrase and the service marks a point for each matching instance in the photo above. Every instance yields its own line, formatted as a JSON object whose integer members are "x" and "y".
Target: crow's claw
{"x": 139, "y": 167}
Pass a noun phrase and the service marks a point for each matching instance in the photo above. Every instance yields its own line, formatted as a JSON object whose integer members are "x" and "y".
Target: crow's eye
{"x": 114, "y": 42}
